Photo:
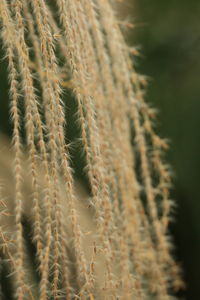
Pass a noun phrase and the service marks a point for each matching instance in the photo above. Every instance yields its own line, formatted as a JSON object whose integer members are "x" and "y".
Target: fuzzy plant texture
{"x": 56, "y": 240}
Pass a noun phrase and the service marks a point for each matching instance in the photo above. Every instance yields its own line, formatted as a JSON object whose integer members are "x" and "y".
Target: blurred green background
{"x": 168, "y": 36}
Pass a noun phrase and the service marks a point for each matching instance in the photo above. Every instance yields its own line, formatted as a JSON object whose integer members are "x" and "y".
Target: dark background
{"x": 168, "y": 36}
